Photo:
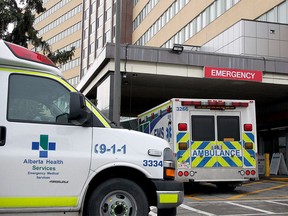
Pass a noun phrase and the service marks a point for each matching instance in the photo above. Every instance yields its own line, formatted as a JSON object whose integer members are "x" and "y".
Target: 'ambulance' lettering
{"x": 216, "y": 152}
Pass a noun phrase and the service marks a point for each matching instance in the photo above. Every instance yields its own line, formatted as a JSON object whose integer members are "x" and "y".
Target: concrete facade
{"x": 252, "y": 38}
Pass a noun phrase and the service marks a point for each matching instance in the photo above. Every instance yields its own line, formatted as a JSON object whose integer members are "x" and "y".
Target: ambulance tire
{"x": 167, "y": 212}
{"x": 125, "y": 194}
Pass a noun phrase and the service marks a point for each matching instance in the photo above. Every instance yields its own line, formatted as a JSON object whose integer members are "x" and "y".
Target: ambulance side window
{"x": 228, "y": 128}
{"x": 203, "y": 128}
{"x": 37, "y": 99}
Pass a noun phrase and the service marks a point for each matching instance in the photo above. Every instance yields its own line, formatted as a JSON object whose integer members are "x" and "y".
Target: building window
{"x": 99, "y": 21}
{"x": 92, "y": 27}
{"x": 99, "y": 42}
{"x": 277, "y": 14}
{"x": 93, "y": 7}
{"x": 107, "y": 37}
{"x": 91, "y": 48}
{"x": 86, "y": 33}
{"x": 108, "y": 14}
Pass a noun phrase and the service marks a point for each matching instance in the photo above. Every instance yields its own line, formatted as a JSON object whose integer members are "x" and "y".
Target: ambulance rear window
{"x": 203, "y": 128}
{"x": 228, "y": 128}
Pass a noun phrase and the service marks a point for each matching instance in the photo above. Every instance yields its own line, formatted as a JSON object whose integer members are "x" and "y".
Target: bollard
{"x": 267, "y": 165}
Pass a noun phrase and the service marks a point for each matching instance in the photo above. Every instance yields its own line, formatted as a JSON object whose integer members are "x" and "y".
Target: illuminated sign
{"x": 233, "y": 74}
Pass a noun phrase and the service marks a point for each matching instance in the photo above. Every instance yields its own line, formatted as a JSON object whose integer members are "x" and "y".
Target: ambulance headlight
{"x": 154, "y": 152}
{"x": 168, "y": 164}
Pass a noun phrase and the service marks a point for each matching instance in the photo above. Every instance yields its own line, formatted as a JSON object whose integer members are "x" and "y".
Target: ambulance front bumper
{"x": 170, "y": 194}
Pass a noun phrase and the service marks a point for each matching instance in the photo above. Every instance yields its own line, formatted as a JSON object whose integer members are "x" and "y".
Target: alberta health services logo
{"x": 43, "y": 167}
{"x": 45, "y": 146}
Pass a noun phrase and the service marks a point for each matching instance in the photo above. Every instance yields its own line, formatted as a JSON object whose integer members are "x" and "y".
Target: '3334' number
{"x": 152, "y": 163}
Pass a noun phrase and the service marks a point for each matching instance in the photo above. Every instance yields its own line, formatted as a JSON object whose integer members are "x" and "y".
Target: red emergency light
{"x": 182, "y": 127}
{"x": 191, "y": 103}
{"x": 248, "y": 127}
{"x": 26, "y": 54}
{"x": 240, "y": 104}
{"x": 214, "y": 104}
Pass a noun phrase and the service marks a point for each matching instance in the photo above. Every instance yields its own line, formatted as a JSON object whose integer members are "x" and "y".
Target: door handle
{"x": 2, "y": 135}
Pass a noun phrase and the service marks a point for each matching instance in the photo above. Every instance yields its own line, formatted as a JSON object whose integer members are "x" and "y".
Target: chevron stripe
{"x": 248, "y": 137}
{"x": 249, "y": 158}
{"x": 249, "y": 154}
{"x": 183, "y": 155}
{"x": 231, "y": 161}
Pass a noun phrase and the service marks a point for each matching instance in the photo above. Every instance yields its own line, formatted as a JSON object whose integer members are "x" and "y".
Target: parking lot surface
{"x": 263, "y": 197}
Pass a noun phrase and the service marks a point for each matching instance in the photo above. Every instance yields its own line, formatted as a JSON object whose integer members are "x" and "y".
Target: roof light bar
{"x": 191, "y": 103}
{"x": 26, "y": 54}
{"x": 215, "y": 104}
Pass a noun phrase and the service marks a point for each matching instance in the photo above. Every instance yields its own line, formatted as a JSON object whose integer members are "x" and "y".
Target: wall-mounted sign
{"x": 233, "y": 74}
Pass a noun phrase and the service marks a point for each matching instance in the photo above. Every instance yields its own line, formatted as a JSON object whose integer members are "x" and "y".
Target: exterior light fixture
{"x": 177, "y": 48}
{"x": 272, "y": 31}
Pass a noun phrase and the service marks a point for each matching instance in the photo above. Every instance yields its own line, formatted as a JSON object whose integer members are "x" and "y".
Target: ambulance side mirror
{"x": 79, "y": 113}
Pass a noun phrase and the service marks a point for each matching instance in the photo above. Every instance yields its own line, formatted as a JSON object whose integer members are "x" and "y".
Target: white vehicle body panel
{"x": 219, "y": 159}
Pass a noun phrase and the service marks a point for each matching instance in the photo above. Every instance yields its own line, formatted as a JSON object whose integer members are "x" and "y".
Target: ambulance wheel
{"x": 167, "y": 212}
{"x": 118, "y": 196}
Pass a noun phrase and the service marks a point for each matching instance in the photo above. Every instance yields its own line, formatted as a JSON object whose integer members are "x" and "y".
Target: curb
{"x": 279, "y": 179}
{"x": 272, "y": 178}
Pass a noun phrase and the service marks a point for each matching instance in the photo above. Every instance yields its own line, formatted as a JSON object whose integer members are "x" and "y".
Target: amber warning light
{"x": 26, "y": 54}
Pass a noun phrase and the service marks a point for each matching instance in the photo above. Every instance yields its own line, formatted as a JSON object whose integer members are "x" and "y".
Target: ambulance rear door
{"x": 215, "y": 139}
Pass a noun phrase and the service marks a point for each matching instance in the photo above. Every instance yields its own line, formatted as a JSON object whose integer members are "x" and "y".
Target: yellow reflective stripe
{"x": 235, "y": 159}
{"x": 211, "y": 162}
{"x": 186, "y": 154}
{"x": 168, "y": 198}
{"x": 103, "y": 121}
{"x": 249, "y": 158}
{"x": 18, "y": 202}
{"x": 196, "y": 161}
{"x": 246, "y": 154}
{"x": 223, "y": 162}
{"x": 196, "y": 144}
{"x": 166, "y": 105}
{"x": 42, "y": 74}
{"x": 246, "y": 138}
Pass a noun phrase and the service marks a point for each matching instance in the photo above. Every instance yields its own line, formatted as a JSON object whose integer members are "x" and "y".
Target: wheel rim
{"x": 118, "y": 203}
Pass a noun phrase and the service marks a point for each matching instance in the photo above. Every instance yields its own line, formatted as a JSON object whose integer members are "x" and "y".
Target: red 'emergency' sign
{"x": 234, "y": 74}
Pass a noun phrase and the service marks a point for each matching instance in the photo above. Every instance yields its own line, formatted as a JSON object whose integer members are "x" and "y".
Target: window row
{"x": 216, "y": 9}
{"x": 162, "y": 21}
{"x": 135, "y": 2}
{"x": 51, "y": 11}
{"x": 76, "y": 44}
{"x": 148, "y": 7}
{"x": 278, "y": 14}
{"x": 60, "y": 20}
{"x": 72, "y": 64}
{"x": 99, "y": 43}
{"x": 64, "y": 33}
{"x": 74, "y": 80}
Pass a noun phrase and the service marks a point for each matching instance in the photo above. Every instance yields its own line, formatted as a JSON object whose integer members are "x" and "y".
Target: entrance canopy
{"x": 152, "y": 75}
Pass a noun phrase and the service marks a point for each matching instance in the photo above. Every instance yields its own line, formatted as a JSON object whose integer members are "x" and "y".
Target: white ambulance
{"x": 59, "y": 155}
{"x": 213, "y": 140}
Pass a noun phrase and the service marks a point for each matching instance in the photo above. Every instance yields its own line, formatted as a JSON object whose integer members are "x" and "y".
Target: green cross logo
{"x": 44, "y": 146}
